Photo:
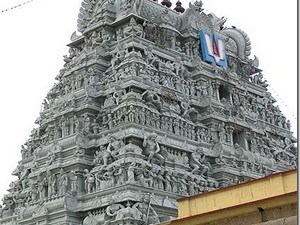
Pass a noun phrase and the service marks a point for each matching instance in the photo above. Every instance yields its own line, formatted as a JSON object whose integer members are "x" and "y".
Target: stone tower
{"x": 151, "y": 105}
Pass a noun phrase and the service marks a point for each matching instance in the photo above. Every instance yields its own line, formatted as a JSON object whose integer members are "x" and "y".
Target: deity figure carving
{"x": 50, "y": 157}
{"x": 161, "y": 180}
{"x": 89, "y": 182}
{"x": 148, "y": 214}
{"x": 133, "y": 28}
{"x": 109, "y": 121}
{"x": 198, "y": 162}
{"x": 139, "y": 174}
{"x": 152, "y": 99}
{"x": 117, "y": 95}
{"x": 99, "y": 178}
{"x": 119, "y": 34}
{"x": 24, "y": 152}
{"x": 52, "y": 182}
{"x": 178, "y": 66}
{"x": 78, "y": 80}
{"x": 92, "y": 76}
{"x": 118, "y": 55}
{"x": 182, "y": 159}
{"x": 114, "y": 144}
{"x": 188, "y": 112}
{"x": 120, "y": 175}
{"x": 87, "y": 124}
{"x": 131, "y": 172}
{"x": 149, "y": 56}
{"x": 98, "y": 157}
{"x": 74, "y": 182}
{"x": 8, "y": 206}
{"x": 183, "y": 184}
{"x": 131, "y": 114}
{"x": 62, "y": 182}
{"x": 113, "y": 212}
{"x": 191, "y": 185}
{"x": 65, "y": 126}
{"x": 42, "y": 184}
{"x": 23, "y": 174}
{"x": 109, "y": 101}
{"x": 109, "y": 178}
{"x": 129, "y": 212}
{"x": 152, "y": 148}
{"x": 222, "y": 133}
{"x": 175, "y": 181}
{"x": 96, "y": 39}
{"x": 76, "y": 124}
{"x": 168, "y": 181}
{"x": 258, "y": 79}
{"x": 33, "y": 192}
{"x": 150, "y": 177}
{"x": 95, "y": 126}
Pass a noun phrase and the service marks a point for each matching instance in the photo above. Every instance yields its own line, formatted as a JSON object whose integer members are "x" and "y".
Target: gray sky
{"x": 34, "y": 37}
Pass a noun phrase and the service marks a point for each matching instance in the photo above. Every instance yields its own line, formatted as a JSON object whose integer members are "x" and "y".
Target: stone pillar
{"x": 216, "y": 90}
{"x": 230, "y": 130}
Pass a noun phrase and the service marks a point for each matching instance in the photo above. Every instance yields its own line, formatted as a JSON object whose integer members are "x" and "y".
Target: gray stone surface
{"x": 136, "y": 119}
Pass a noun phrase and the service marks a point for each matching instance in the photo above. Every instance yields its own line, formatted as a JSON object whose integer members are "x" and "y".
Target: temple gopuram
{"x": 153, "y": 103}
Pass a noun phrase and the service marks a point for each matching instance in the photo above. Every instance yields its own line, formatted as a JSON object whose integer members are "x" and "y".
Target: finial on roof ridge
{"x": 166, "y": 3}
{"x": 179, "y": 7}
{"x": 198, "y": 3}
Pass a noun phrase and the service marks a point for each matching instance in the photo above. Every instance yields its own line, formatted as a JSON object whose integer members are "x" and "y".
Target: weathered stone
{"x": 139, "y": 117}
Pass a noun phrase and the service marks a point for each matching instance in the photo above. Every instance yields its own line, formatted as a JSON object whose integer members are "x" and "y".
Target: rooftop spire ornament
{"x": 199, "y": 3}
{"x": 166, "y": 3}
{"x": 179, "y": 7}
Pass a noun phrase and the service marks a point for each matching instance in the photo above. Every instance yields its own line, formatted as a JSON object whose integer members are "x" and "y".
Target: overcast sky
{"x": 33, "y": 41}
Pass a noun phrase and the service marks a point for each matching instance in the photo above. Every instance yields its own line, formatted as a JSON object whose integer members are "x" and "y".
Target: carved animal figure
{"x": 242, "y": 154}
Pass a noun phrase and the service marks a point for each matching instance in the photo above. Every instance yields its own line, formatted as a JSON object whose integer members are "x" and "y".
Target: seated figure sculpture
{"x": 147, "y": 213}
{"x": 152, "y": 99}
{"x": 152, "y": 148}
{"x": 133, "y": 29}
{"x": 113, "y": 212}
{"x": 198, "y": 162}
{"x": 114, "y": 145}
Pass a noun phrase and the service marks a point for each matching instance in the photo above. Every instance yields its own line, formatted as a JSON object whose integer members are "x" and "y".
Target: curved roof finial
{"x": 179, "y": 7}
{"x": 166, "y": 3}
{"x": 198, "y": 3}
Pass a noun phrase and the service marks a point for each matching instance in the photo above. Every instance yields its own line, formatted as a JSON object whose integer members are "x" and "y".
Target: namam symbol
{"x": 213, "y": 49}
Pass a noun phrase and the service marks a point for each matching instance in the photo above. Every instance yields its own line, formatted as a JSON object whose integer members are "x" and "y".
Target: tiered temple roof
{"x": 151, "y": 105}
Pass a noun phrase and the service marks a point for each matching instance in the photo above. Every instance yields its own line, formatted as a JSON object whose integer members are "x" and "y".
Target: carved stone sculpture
{"x": 138, "y": 118}
{"x": 152, "y": 148}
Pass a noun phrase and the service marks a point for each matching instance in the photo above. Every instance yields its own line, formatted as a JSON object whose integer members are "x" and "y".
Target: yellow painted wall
{"x": 272, "y": 186}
